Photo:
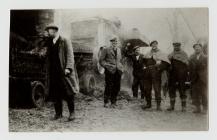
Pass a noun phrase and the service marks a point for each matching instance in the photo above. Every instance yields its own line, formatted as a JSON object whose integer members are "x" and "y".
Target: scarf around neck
{"x": 180, "y": 56}
{"x": 157, "y": 55}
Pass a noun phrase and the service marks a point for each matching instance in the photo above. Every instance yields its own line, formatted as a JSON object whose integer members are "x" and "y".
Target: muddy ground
{"x": 92, "y": 116}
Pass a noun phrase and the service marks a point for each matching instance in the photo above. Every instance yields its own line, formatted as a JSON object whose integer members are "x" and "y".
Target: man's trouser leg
{"x": 172, "y": 95}
{"x": 70, "y": 102}
{"x": 183, "y": 96}
{"x": 116, "y": 87}
{"x": 108, "y": 86}
{"x": 142, "y": 87}
{"x": 196, "y": 94}
{"x": 58, "y": 105}
{"x": 204, "y": 98}
{"x": 157, "y": 87}
{"x": 135, "y": 86}
{"x": 147, "y": 90}
{"x": 56, "y": 91}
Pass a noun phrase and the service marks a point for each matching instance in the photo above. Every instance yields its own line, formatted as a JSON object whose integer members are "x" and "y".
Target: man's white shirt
{"x": 55, "y": 39}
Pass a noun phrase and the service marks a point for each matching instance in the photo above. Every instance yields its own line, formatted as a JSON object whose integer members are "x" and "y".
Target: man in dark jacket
{"x": 198, "y": 73}
{"x": 62, "y": 73}
{"x": 138, "y": 73}
{"x": 110, "y": 59}
{"x": 178, "y": 75}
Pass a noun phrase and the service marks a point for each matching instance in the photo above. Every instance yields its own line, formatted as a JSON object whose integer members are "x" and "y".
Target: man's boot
{"x": 106, "y": 105}
{"x": 197, "y": 110}
{"x": 58, "y": 110}
{"x": 147, "y": 106}
{"x": 183, "y": 106}
{"x": 113, "y": 105}
{"x": 71, "y": 116}
{"x": 135, "y": 95}
{"x": 172, "y": 105}
{"x": 158, "y": 106}
{"x": 57, "y": 116}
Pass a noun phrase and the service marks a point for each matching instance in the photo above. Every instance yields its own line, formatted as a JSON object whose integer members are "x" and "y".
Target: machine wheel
{"x": 88, "y": 83}
{"x": 38, "y": 94}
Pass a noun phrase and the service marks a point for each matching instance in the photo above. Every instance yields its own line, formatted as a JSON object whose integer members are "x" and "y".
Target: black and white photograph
{"x": 108, "y": 70}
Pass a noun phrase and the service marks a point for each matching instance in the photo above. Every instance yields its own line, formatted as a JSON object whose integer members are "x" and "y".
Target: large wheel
{"x": 38, "y": 94}
{"x": 87, "y": 84}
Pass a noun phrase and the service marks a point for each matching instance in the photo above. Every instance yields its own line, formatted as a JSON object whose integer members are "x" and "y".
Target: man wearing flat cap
{"x": 155, "y": 63}
{"x": 138, "y": 72}
{"x": 178, "y": 75}
{"x": 63, "y": 80}
{"x": 110, "y": 59}
{"x": 198, "y": 73}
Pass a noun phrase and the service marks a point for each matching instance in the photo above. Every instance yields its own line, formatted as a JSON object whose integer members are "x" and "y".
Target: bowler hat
{"x": 52, "y": 26}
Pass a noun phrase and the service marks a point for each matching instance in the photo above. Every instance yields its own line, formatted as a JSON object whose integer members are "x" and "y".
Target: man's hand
{"x": 67, "y": 72}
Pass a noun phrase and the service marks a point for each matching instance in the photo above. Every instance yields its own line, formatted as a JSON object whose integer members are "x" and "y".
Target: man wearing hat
{"x": 178, "y": 75}
{"x": 62, "y": 73}
{"x": 138, "y": 72}
{"x": 110, "y": 59}
{"x": 198, "y": 74}
{"x": 155, "y": 63}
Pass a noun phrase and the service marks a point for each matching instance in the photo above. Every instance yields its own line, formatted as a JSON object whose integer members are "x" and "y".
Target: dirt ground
{"x": 92, "y": 116}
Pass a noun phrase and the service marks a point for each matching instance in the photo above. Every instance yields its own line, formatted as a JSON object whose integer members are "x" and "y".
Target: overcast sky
{"x": 155, "y": 24}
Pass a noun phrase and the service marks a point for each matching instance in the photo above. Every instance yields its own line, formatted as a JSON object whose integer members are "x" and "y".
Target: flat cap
{"x": 136, "y": 47}
{"x": 197, "y": 44}
{"x": 52, "y": 26}
{"x": 114, "y": 38}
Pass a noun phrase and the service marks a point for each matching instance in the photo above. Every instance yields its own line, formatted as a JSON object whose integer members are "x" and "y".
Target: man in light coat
{"x": 62, "y": 73}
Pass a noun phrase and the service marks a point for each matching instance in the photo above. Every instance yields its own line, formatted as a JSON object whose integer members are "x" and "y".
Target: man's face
{"x": 137, "y": 51}
{"x": 114, "y": 43}
{"x": 197, "y": 49}
{"x": 45, "y": 34}
{"x": 177, "y": 48}
{"x": 154, "y": 45}
{"x": 52, "y": 33}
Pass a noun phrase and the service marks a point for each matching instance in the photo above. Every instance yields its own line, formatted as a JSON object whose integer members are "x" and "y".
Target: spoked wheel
{"x": 38, "y": 94}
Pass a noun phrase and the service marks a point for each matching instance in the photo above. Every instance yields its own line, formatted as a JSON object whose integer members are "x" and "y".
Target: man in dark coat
{"x": 110, "y": 59}
{"x": 138, "y": 73}
{"x": 198, "y": 74}
{"x": 155, "y": 63}
{"x": 178, "y": 75}
{"x": 62, "y": 73}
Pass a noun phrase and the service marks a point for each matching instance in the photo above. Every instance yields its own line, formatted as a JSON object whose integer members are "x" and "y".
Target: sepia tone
{"x": 131, "y": 94}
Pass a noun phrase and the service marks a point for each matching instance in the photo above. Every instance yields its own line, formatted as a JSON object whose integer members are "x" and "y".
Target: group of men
{"x": 147, "y": 70}
{"x": 147, "y": 73}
